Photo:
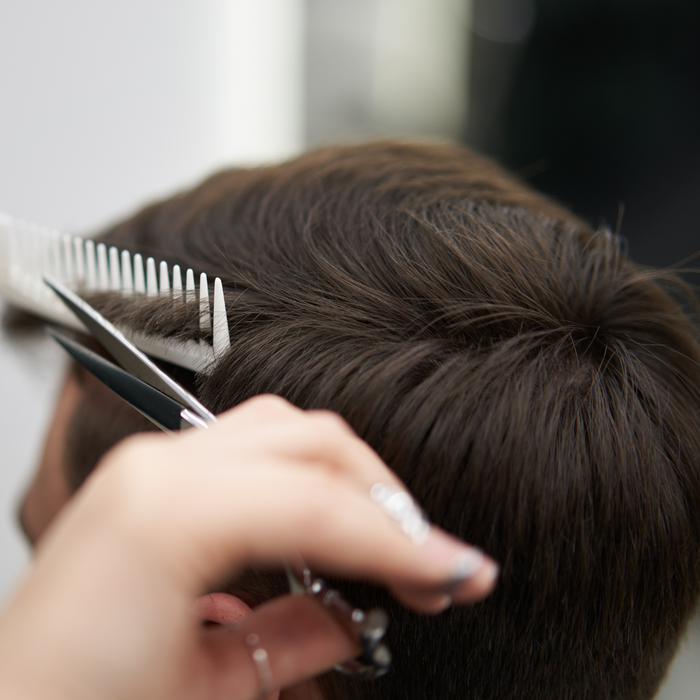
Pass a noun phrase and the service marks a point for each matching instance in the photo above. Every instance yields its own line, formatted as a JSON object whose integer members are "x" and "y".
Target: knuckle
{"x": 270, "y": 405}
{"x": 326, "y": 505}
{"x": 330, "y": 422}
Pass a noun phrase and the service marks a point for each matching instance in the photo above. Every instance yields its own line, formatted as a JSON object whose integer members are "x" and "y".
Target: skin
{"x": 49, "y": 491}
{"x": 113, "y": 605}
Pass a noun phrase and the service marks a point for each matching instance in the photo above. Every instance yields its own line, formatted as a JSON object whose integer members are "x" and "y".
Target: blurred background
{"x": 106, "y": 106}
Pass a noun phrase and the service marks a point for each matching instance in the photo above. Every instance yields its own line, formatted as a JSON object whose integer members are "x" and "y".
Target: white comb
{"x": 28, "y": 252}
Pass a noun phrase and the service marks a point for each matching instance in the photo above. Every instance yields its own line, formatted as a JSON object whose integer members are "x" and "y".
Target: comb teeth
{"x": 29, "y": 252}
{"x": 220, "y": 337}
{"x": 177, "y": 283}
{"x": 204, "y": 315}
{"x": 127, "y": 275}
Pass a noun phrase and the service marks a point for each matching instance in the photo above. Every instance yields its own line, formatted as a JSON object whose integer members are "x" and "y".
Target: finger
{"x": 322, "y": 439}
{"x": 265, "y": 408}
{"x": 465, "y": 587}
{"x": 283, "y": 642}
{"x": 201, "y": 522}
{"x": 310, "y": 438}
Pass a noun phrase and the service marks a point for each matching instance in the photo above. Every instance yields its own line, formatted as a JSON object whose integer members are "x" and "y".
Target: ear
{"x": 225, "y": 609}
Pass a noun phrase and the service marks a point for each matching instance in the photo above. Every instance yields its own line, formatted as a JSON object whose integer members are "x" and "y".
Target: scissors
{"x": 152, "y": 392}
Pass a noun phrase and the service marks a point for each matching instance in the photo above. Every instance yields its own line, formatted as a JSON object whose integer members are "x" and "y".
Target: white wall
{"x": 105, "y": 105}
{"x": 387, "y": 67}
{"x": 29, "y": 379}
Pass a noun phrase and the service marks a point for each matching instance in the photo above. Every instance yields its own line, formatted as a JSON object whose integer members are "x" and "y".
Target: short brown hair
{"x": 536, "y": 390}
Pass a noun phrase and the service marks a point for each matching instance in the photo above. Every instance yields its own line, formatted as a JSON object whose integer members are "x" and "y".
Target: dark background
{"x": 599, "y": 106}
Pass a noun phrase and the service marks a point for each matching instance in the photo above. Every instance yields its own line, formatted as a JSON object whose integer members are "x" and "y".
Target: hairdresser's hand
{"x": 107, "y": 609}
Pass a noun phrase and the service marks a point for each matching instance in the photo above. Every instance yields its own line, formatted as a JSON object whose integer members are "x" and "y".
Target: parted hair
{"x": 537, "y": 391}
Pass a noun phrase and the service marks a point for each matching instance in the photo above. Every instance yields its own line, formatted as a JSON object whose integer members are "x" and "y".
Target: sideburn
{"x": 100, "y": 421}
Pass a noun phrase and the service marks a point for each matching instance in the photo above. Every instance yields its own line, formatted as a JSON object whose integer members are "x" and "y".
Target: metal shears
{"x": 167, "y": 404}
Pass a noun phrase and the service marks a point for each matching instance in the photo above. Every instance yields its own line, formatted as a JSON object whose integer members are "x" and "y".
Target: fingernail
{"x": 465, "y": 564}
{"x": 460, "y": 563}
{"x": 461, "y": 585}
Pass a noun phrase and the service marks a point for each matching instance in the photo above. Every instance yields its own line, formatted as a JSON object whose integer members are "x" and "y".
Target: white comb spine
{"x": 29, "y": 252}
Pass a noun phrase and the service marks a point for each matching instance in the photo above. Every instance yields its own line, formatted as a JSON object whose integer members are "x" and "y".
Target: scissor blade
{"x": 125, "y": 352}
{"x": 157, "y": 407}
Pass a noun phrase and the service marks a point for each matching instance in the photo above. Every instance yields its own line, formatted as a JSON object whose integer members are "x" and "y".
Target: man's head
{"x": 537, "y": 392}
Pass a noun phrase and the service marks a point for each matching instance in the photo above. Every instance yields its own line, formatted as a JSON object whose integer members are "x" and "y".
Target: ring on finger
{"x": 261, "y": 660}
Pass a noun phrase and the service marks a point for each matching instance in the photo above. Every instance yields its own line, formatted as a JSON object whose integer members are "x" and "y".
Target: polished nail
{"x": 465, "y": 568}
{"x": 400, "y": 505}
{"x": 465, "y": 564}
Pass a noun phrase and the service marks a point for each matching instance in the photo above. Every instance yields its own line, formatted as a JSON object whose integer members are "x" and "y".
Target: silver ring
{"x": 261, "y": 660}
{"x": 399, "y": 504}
